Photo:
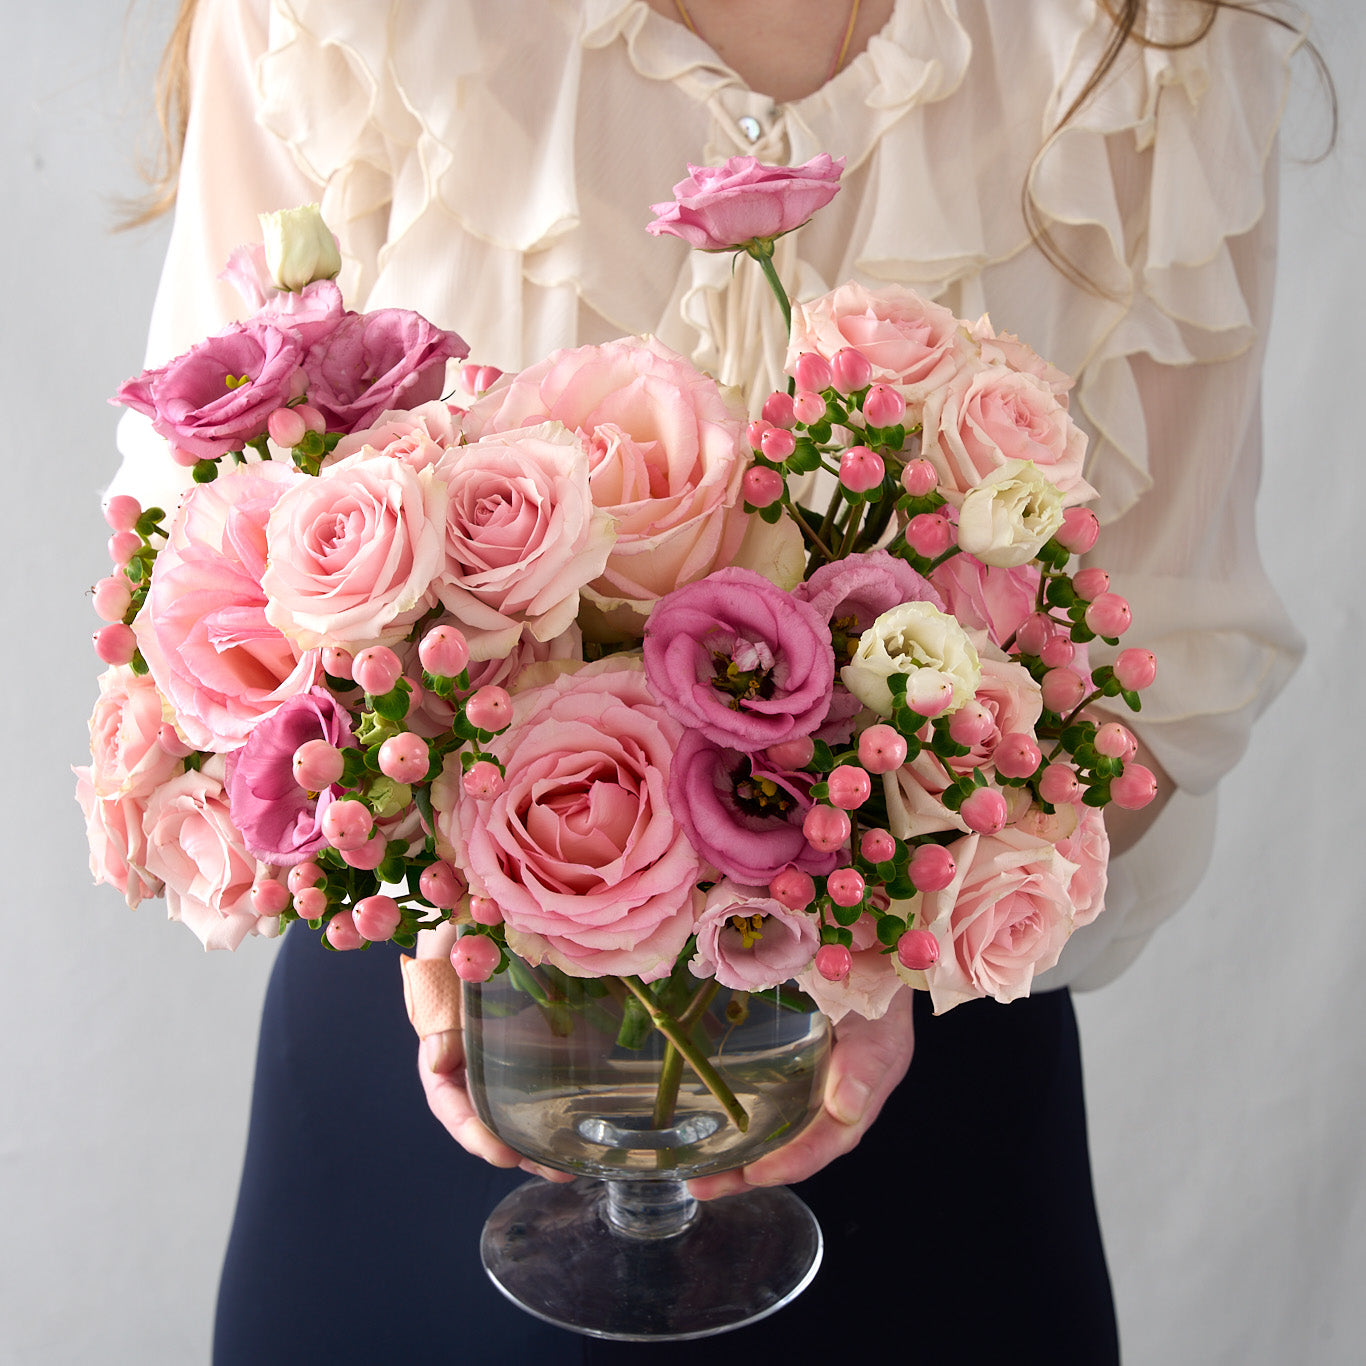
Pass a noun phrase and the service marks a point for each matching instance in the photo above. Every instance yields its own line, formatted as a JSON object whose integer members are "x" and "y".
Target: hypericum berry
{"x": 929, "y": 534}
{"x": 1016, "y": 755}
{"x": 113, "y": 596}
{"x": 881, "y": 749}
{"x": 812, "y": 372}
{"x": 313, "y": 419}
{"x": 269, "y": 897}
{"x": 169, "y": 739}
{"x": 1062, "y": 690}
{"x": 115, "y": 643}
{"x": 931, "y": 868}
{"x": 123, "y": 545}
{"x": 1115, "y": 741}
{"x": 917, "y": 950}
{"x": 1058, "y": 652}
{"x": 1058, "y": 785}
{"x": 919, "y": 477}
{"x": 482, "y": 781}
{"x": 285, "y": 427}
{"x": 1134, "y": 788}
{"x": 484, "y": 910}
{"x": 861, "y": 469}
{"x": 984, "y": 811}
{"x": 306, "y": 874}
{"x": 342, "y": 932}
{"x": 778, "y": 409}
{"x": 846, "y": 886}
{"x": 826, "y": 828}
{"x": 337, "y": 662}
{"x": 833, "y": 962}
{"x": 762, "y": 487}
{"x": 366, "y": 856}
{"x": 884, "y": 406}
{"x": 490, "y": 708}
{"x": 1036, "y": 630}
{"x": 792, "y": 754}
{"x": 850, "y": 786}
{"x": 777, "y": 443}
{"x": 1079, "y": 530}
{"x": 475, "y": 957}
{"x": 1109, "y": 615}
{"x": 755, "y": 432}
{"x": 376, "y": 918}
{"x": 794, "y": 888}
{"x": 850, "y": 370}
{"x": 310, "y": 903}
{"x": 971, "y": 724}
{"x": 377, "y": 669}
{"x": 1089, "y": 584}
{"x": 317, "y": 764}
{"x": 405, "y": 758}
{"x": 121, "y": 512}
{"x": 441, "y": 885}
{"x": 1135, "y": 669}
{"x": 444, "y": 651}
{"x": 347, "y": 824}
{"x": 877, "y": 846}
{"x": 479, "y": 379}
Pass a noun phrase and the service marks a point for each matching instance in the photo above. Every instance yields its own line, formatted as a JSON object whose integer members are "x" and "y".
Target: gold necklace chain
{"x": 840, "y": 54}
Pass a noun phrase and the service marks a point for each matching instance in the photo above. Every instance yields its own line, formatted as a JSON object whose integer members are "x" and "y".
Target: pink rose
{"x": 720, "y": 208}
{"x": 194, "y": 848}
{"x": 118, "y": 845}
{"x": 667, "y": 455}
{"x": 1088, "y": 846}
{"x": 996, "y": 601}
{"x": 203, "y": 629}
{"x": 750, "y": 942}
{"x": 909, "y": 341}
{"x": 581, "y": 850}
{"x": 987, "y": 417}
{"x": 128, "y": 760}
{"x": 1004, "y": 917}
{"x": 352, "y": 553}
{"x": 1004, "y": 348}
{"x": 522, "y": 536}
{"x": 419, "y": 437}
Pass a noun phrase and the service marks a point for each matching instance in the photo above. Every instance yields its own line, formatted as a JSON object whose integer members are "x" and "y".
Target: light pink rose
{"x": 581, "y": 850}
{"x": 194, "y": 848}
{"x": 522, "y": 536}
{"x": 986, "y": 599}
{"x": 1088, "y": 846}
{"x": 912, "y": 795}
{"x": 118, "y": 846}
{"x": 667, "y": 454}
{"x": 909, "y": 341}
{"x": 417, "y": 436}
{"x": 203, "y": 629}
{"x": 750, "y": 942}
{"x": 1009, "y": 693}
{"x": 1004, "y": 348}
{"x": 867, "y": 990}
{"x": 127, "y": 757}
{"x": 1004, "y": 917}
{"x": 989, "y": 416}
{"x": 720, "y": 208}
{"x": 352, "y": 553}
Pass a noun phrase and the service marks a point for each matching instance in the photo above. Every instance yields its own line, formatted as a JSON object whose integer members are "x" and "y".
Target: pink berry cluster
{"x": 118, "y": 597}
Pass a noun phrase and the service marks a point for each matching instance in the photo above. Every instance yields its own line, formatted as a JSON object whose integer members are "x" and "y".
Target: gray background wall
{"x": 1225, "y": 1070}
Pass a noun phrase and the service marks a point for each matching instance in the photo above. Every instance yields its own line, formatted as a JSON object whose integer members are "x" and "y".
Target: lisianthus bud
{"x": 299, "y": 247}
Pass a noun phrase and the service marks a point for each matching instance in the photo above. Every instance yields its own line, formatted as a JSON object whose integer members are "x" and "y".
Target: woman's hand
{"x": 869, "y": 1059}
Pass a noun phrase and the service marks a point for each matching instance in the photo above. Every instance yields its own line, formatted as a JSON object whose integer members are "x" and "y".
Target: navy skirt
{"x": 963, "y": 1228}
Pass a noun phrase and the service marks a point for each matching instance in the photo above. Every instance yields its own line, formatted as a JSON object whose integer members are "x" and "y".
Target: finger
{"x": 722, "y": 1183}
{"x": 444, "y": 1051}
{"x": 450, "y": 1103}
{"x": 546, "y": 1173}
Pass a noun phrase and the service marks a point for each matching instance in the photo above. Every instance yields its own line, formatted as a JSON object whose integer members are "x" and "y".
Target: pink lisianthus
{"x": 910, "y": 342}
{"x": 203, "y": 629}
{"x": 217, "y": 396}
{"x": 311, "y": 314}
{"x": 667, "y": 456}
{"x": 125, "y": 748}
{"x": 750, "y": 942}
{"x": 1005, "y": 917}
{"x": 988, "y": 599}
{"x": 372, "y": 362}
{"x": 867, "y": 990}
{"x": 419, "y": 436}
{"x": 581, "y": 850}
{"x": 194, "y": 848}
{"x": 740, "y": 660}
{"x": 352, "y": 553}
{"x": 279, "y": 822}
{"x": 118, "y": 844}
{"x": 522, "y": 536}
{"x": 721, "y": 208}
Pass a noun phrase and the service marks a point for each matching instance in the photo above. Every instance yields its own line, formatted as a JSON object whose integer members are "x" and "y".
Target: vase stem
{"x": 648, "y": 1210}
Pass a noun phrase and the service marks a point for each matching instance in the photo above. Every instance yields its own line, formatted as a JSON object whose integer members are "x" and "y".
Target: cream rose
{"x": 916, "y": 640}
{"x": 1006, "y": 519}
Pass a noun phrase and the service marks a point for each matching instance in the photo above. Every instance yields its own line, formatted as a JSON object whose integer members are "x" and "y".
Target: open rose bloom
{"x": 541, "y": 667}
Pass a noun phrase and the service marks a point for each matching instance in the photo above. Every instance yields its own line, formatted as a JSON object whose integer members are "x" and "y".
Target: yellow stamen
{"x": 235, "y": 381}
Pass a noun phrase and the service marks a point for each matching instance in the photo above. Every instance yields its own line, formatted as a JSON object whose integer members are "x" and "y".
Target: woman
{"x": 491, "y": 166}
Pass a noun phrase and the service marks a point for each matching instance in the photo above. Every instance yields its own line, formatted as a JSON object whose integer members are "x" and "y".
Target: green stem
{"x": 811, "y": 535}
{"x": 763, "y": 253}
{"x": 677, "y": 1035}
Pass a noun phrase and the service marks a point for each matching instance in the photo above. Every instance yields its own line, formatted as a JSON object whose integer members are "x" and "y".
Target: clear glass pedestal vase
{"x": 572, "y": 1074}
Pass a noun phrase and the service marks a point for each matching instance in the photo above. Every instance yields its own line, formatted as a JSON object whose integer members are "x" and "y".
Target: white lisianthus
{"x": 926, "y": 645}
{"x": 1008, "y": 517}
{"x": 299, "y": 247}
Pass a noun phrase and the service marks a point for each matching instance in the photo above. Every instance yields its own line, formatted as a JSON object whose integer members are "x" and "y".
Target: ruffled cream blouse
{"x": 491, "y": 165}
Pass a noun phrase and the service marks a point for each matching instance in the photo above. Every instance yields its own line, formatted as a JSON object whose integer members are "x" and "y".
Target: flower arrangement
{"x": 621, "y": 681}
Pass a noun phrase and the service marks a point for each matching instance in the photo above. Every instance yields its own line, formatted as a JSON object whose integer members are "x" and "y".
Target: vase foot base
{"x": 743, "y": 1257}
